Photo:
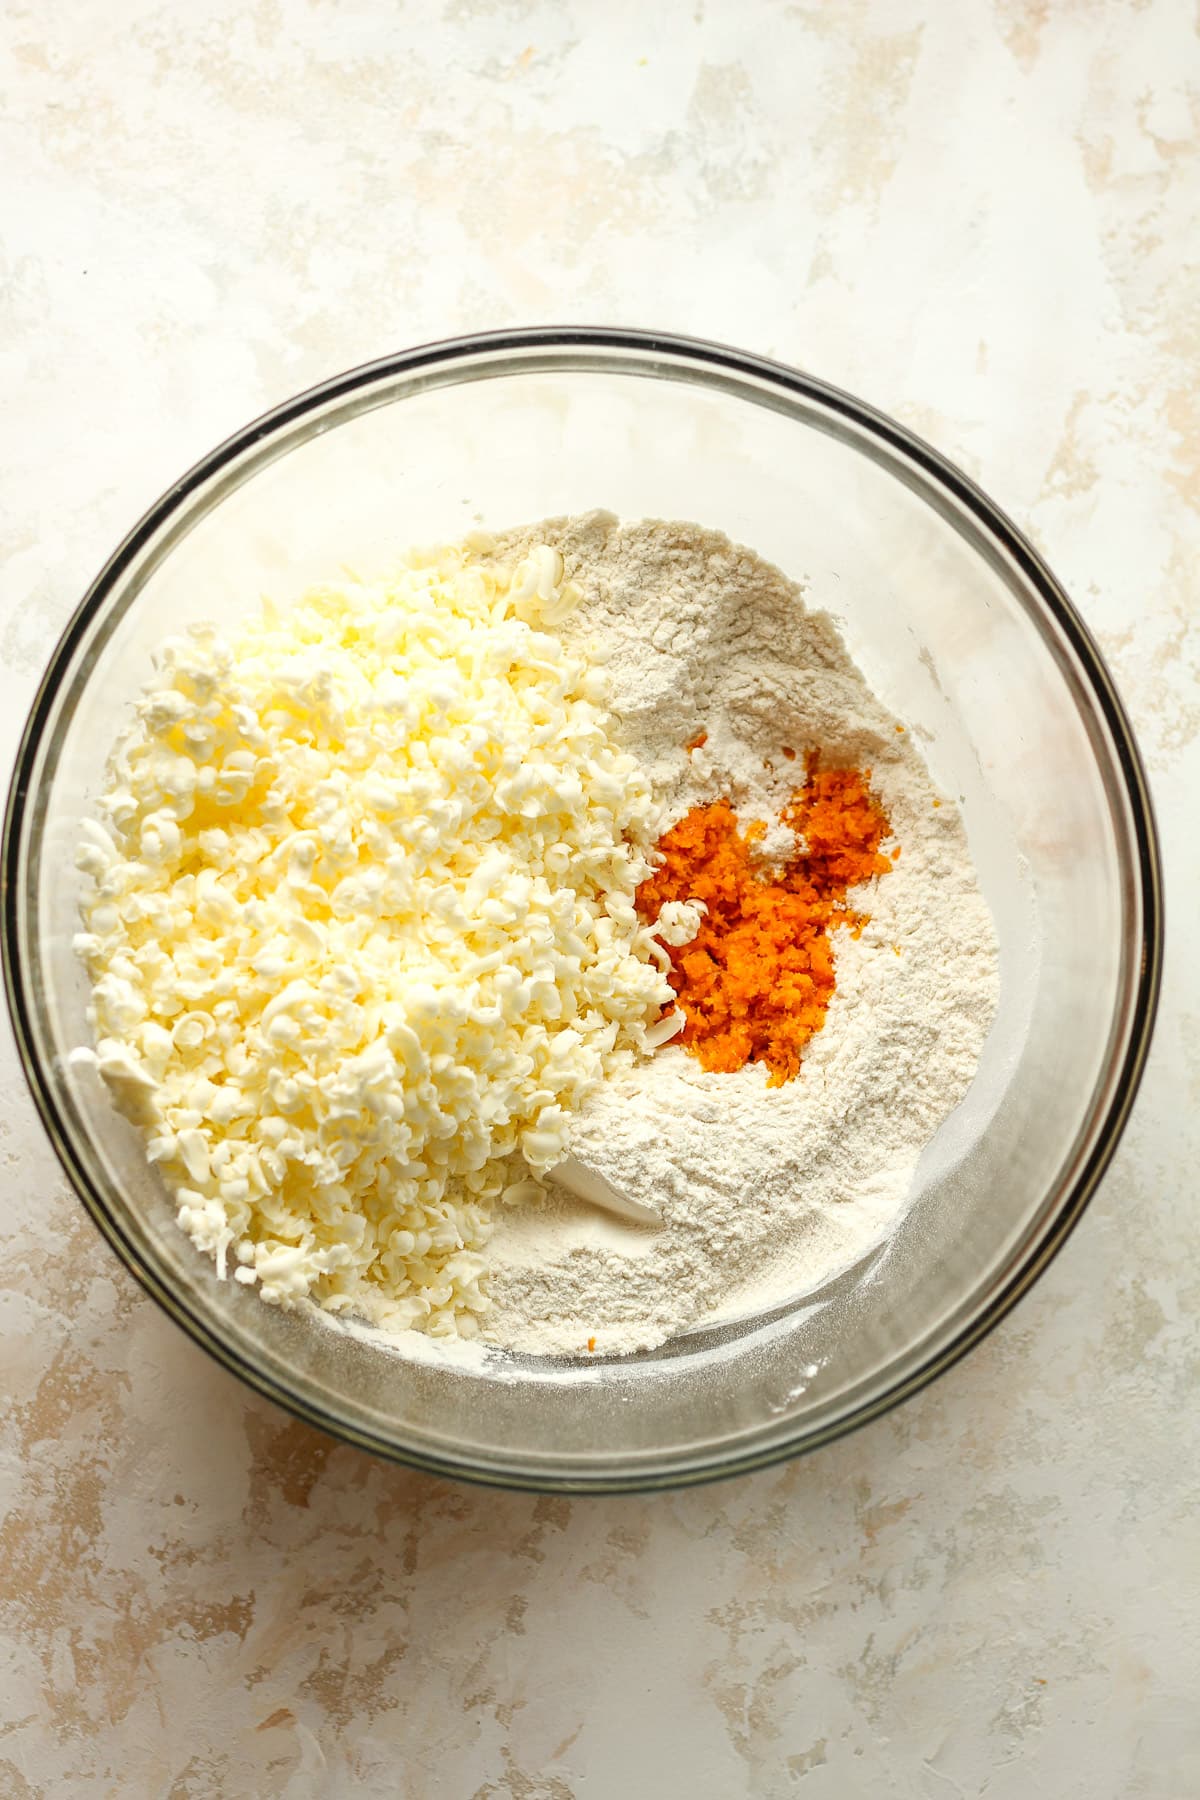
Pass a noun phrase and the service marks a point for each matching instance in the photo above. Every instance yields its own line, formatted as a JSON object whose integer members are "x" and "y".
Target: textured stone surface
{"x": 978, "y": 216}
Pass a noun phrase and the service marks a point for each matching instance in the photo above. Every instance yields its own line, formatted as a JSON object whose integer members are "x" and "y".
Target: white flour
{"x": 765, "y": 1193}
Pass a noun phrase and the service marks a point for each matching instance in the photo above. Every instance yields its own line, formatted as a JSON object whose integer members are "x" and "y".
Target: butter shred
{"x": 361, "y": 930}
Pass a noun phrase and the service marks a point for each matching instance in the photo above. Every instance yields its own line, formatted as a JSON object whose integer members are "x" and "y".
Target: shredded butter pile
{"x": 362, "y": 927}
{"x": 756, "y": 979}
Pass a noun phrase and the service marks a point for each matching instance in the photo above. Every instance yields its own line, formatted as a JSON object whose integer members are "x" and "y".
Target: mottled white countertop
{"x": 978, "y": 217}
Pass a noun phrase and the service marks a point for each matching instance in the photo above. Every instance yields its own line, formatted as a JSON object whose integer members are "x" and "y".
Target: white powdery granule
{"x": 765, "y": 1192}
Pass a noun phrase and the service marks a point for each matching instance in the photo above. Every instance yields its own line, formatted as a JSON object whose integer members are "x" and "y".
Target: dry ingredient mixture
{"x": 717, "y": 670}
{"x": 403, "y": 892}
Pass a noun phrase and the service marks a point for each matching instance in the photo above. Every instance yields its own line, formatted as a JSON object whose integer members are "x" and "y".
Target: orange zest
{"x": 755, "y": 982}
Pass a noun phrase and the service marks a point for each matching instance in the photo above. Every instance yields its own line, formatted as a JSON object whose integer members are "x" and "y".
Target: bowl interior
{"x": 941, "y": 610}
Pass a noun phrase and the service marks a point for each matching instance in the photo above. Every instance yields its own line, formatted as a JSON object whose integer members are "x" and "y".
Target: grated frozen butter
{"x": 361, "y": 928}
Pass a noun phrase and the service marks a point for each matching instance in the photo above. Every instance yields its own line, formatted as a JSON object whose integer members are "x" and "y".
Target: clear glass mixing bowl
{"x": 963, "y": 632}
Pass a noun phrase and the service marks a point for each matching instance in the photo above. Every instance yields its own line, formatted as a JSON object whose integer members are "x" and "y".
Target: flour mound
{"x": 765, "y": 1193}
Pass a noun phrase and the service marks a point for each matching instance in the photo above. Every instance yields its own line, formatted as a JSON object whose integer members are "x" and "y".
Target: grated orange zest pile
{"x": 755, "y": 982}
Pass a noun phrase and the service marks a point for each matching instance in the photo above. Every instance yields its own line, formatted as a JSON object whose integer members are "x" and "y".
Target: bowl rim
{"x": 864, "y": 419}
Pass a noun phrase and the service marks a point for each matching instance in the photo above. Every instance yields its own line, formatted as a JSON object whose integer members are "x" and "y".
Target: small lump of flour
{"x": 776, "y": 846}
{"x": 719, "y": 674}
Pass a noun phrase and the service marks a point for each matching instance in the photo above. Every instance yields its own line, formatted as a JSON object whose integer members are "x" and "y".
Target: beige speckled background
{"x": 981, "y": 217}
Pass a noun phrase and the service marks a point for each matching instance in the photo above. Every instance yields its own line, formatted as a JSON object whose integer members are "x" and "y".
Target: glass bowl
{"x": 963, "y": 633}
